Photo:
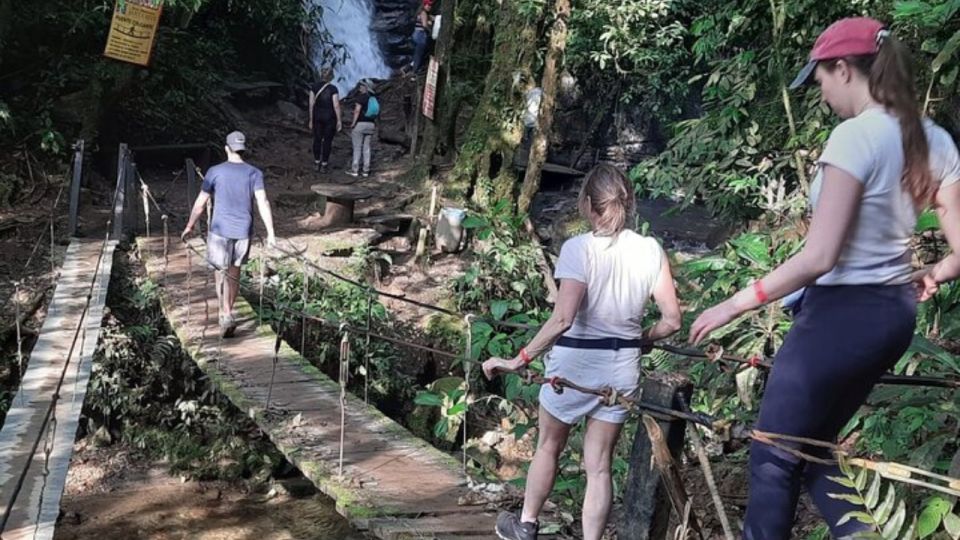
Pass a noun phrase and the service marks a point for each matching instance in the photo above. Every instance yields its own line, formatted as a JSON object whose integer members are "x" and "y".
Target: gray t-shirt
{"x": 870, "y": 148}
{"x": 232, "y": 186}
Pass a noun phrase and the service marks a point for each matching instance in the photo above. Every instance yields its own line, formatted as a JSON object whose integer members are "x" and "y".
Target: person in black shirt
{"x": 324, "y": 118}
{"x": 365, "y": 114}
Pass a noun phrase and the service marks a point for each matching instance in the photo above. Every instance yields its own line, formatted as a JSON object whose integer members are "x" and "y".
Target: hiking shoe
{"x": 228, "y": 325}
{"x": 365, "y": 174}
{"x": 318, "y": 166}
{"x": 509, "y": 527}
{"x": 323, "y": 167}
{"x": 352, "y": 173}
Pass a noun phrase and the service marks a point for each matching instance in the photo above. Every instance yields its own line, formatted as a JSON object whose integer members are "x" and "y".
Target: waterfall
{"x": 357, "y": 51}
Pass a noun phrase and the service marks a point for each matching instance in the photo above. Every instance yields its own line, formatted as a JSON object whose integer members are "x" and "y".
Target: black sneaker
{"x": 509, "y": 527}
{"x": 323, "y": 167}
{"x": 365, "y": 174}
{"x": 318, "y": 166}
{"x": 352, "y": 173}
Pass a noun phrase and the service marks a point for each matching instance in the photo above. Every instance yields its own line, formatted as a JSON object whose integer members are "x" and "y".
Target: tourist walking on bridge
{"x": 881, "y": 166}
{"x": 234, "y": 185}
{"x": 593, "y": 338}
{"x": 325, "y": 119}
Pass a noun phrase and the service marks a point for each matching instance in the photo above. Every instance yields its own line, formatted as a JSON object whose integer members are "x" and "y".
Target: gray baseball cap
{"x": 237, "y": 141}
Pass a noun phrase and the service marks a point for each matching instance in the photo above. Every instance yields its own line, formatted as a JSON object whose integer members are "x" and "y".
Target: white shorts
{"x": 593, "y": 368}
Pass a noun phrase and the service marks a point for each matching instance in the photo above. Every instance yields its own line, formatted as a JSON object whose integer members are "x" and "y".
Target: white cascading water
{"x": 348, "y": 23}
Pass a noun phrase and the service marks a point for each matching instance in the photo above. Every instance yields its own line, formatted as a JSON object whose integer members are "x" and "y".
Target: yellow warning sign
{"x": 133, "y": 30}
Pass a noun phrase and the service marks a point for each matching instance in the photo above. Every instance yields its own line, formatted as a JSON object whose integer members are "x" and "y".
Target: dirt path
{"x": 117, "y": 493}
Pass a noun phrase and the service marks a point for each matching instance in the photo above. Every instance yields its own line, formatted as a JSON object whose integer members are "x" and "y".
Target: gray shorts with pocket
{"x": 225, "y": 252}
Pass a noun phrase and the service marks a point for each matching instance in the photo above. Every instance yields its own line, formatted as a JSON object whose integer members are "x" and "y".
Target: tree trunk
{"x": 484, "y": 167}
{"x": 541, "y": 133}
{"x": 442, "y": 111}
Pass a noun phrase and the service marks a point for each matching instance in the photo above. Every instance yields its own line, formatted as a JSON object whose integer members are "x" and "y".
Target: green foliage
{"x": 148, "y": 391}
{"x": 886, "y": 514}
{"x": 58, "y": 86}
{"x": 340, "y": 302}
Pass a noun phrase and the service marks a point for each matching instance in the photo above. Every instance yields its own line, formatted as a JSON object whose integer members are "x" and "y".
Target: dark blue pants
{"x": 842, "y": 340}
{"x": 420, "y": 40}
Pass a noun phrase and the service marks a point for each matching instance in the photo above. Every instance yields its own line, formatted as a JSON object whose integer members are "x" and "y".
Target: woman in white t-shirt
{"x": 606, "y": 277}
{"x": 881, "y": 166}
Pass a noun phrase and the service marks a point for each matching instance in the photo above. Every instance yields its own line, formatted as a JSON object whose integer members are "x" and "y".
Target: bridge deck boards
{"x": 394, "y": 484}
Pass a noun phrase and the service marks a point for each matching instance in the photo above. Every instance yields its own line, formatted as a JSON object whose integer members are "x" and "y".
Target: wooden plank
{"x": 31, "y": 483}
{"x": 382, "y": 460}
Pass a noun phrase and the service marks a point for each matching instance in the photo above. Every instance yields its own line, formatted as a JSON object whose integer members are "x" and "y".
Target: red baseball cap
{"x": 855, "y": 36}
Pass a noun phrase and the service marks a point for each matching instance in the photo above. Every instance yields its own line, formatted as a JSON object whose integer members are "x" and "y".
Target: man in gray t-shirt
{"x": 234, "y": 185}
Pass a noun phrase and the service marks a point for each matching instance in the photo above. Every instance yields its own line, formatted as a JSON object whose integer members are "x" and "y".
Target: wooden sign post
{"x": 133, "y": 31}
{"x": 430, "y": 90}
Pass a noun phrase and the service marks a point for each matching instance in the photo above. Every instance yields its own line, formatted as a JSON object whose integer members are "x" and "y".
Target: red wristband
{"x": 758, "y": 290}
{"x": 525, "y": 357}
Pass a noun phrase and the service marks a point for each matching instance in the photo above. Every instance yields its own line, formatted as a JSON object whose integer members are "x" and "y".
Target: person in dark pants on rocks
{"x": 421, "y": 36}
{"x": 234, "y": 185}
{"x": 593, "y": 338}
{"x": 365, "y": 113}
{"x": 324, "y": 118}
{"x": 881, "y": 166}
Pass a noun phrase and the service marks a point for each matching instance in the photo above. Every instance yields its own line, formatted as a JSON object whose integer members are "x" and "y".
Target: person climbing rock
{"x": 421, "y": 35}
{"x": 233, "y": 185}
{"x": 365, "y": 113}
{"x": 593, "y": 338}
{"x": 325, "y": 118}
{"x": 881, "y": 166}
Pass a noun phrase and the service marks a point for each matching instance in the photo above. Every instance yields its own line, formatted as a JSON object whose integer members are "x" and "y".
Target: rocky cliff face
{"x": 393, "y": 24}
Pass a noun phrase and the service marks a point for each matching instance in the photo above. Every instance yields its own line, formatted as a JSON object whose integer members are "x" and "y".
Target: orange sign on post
{"x": 133, "y": 30}
{"x": 430, "y": 90}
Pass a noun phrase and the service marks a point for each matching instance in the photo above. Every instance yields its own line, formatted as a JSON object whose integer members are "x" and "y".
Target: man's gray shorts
{"x": 225, "y": 252}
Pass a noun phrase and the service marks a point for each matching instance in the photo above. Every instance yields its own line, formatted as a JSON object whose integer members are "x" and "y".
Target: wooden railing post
{"x": 646, "y": 503}
{"x": 75, "y": 188}
{"x": 119, "y": 204}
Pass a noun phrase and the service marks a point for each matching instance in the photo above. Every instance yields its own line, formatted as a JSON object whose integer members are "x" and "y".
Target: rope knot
{"x": 713, "y": 352}
{"x": 555, "y": 384}
{"x": 609, "y": 396}
{"x": 754, "y": 361}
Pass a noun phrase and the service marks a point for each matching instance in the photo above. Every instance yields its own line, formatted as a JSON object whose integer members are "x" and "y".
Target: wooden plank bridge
{"x": 36, "y": 441}
{"x": 393, "y": 484}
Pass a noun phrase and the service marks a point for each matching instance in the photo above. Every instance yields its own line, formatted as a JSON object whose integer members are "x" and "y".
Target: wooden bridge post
{"x": 191, "y": 169}
{"x": 133, "y": 208}
{"x": 119, "y": 204}
{"x": 75, "y": 188}
{"x": 646, "y": 503}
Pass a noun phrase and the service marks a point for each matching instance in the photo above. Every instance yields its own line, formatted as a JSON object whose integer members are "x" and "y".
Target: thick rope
{"x": 16, "y": 300}
{"x": 366, "y": 349}
{"x": 276, "y": 359}
{"x": 344, "y": 376}
{"x": 303, "y": 320}
{"x": 467, "y": 356}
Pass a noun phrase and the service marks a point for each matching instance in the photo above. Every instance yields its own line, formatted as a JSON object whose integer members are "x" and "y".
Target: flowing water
{"x": 352, "y": 48}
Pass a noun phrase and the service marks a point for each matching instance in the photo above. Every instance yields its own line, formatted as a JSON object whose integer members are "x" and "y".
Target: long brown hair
{"x": 611, "y": 196}
{"x": 890, "y": 73}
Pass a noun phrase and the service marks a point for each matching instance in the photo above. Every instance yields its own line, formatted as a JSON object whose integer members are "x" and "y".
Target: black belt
{"x": 611, "y": 344}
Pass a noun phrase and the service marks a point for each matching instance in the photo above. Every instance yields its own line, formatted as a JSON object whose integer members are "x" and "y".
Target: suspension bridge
{"x": 383, "y": 479}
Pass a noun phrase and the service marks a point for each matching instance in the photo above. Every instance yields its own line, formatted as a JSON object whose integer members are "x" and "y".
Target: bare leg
{"x": 233, "y": 287}
{"x": 543, "y": 471}
{"x": 221, "y": 293}
{"x": 598, "y": 444}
